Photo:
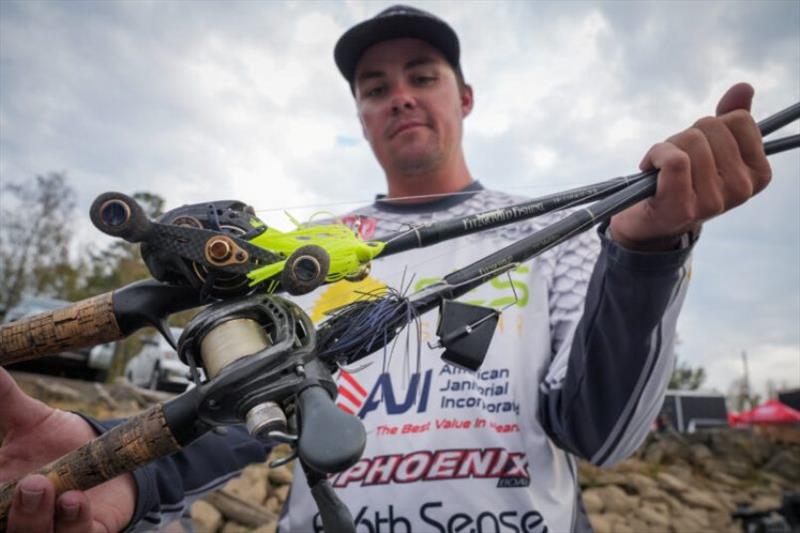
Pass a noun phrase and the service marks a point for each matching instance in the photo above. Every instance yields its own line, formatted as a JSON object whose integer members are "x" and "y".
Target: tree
{"x": 36, "y": 221}
{"x": 685, "y": 377}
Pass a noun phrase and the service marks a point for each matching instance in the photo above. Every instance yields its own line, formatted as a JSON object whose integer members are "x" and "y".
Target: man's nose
{"x": 402, "y": 100}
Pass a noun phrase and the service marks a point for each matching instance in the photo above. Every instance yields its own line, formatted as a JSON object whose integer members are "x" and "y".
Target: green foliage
{"x": 36, "y": 223}
{"x": 685, "y": 377}
{"x": 37, "y": 234}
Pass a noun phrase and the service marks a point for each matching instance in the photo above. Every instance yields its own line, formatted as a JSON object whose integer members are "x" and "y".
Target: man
{"x": 566, "y": 376}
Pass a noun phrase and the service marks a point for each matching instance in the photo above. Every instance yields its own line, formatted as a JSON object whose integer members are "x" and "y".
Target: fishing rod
{"x": 266, "y": 365}
{"x": 361, "y": 328}
{"x": 219, "y": 250}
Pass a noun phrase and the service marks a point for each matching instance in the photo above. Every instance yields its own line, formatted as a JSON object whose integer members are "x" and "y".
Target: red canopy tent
{"x": 769, "y": 412}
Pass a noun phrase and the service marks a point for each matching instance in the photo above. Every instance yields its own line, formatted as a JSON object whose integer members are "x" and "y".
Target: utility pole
{"x": 746, "y": 381}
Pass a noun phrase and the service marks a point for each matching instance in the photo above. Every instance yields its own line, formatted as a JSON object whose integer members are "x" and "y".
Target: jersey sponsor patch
{"x": 457, "y": 390}
{"x": 509, "y": 468}
{"x": 434, "y": 516}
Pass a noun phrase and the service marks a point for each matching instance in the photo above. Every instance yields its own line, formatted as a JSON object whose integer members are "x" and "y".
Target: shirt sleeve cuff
{"x": 652, "y": 262}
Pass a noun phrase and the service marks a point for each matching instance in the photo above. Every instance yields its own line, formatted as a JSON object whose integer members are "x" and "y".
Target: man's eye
{"x": 374, "y": 91}
{"x": 424, "y": 80}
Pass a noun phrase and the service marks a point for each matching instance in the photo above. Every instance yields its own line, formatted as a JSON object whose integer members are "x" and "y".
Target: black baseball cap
{"x": 395, "y": 22}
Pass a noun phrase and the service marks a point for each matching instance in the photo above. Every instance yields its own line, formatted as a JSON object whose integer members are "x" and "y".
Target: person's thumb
{"x": 18, "y": 409}
{"x": 740, "y": 96}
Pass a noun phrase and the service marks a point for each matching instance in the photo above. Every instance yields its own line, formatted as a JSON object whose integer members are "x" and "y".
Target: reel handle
{"x": 335, "y": 515}
{"x": 85, "y": 323}
{"x": 137, "y": 442}
{"x": 119, "y": 215}
{"x": 330, "y": 439}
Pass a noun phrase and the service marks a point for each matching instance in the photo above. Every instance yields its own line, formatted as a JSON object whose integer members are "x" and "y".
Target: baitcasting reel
{"x": 222, "y": 249}
{"x": 201, "y": 245}
{"x": 259, "y": 356}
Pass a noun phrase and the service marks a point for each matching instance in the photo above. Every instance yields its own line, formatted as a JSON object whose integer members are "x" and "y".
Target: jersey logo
{"x": 509, "y": 469}
{"x": 365, "y": 226}
{"x": 354, "y": 399}
{"x": 351, "y": 393}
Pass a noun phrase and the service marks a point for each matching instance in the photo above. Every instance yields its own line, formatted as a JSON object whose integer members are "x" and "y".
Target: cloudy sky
{"x": 207, "y": 100}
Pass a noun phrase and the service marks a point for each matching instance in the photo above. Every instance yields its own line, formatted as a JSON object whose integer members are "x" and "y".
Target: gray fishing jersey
{"x": 577, "y": 367}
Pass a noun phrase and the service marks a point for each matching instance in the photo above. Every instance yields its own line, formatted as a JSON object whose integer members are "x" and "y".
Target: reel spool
{"x": 254, "y": 351}
{"x": 228, "y": 342}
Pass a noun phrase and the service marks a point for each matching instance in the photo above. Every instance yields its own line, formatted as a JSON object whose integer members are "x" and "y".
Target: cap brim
{"x": 352, "y": 45}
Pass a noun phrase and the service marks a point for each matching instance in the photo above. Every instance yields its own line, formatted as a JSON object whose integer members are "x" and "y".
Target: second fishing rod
{"x": 364, "y": 327}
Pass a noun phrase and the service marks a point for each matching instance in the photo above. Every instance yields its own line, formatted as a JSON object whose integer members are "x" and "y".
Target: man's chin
{"x": 417, "y": 161}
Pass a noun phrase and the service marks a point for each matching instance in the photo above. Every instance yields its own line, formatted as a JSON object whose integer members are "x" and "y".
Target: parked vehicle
{"x": 157, "y": 366}
{"x": 79, "y": 364}
{"x": 688, "y": 410}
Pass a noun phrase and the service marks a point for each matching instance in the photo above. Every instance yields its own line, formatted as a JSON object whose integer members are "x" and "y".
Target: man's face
{"x": 410, "y": 105}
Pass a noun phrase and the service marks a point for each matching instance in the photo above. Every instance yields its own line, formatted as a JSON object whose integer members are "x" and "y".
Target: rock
{"x": 696, "y": 516}
{"x": 281, "y": 493}
{"x": 615, "y": 500}
{"x": 587, "y": 472}
{"x": 680, "y": 470}
{"x": 786, "y": 464}
{"x": 722, "y": 521}
{"x": 721, "y": 477}
{"x": 655, "y": 453}
{"x": 54, "y": 391}
{"x": 780, "y": 482}
{"x": 689, "y": 520}
{"x": 592, "y": 501}
{"x": 251, "y": 485}
{"x": 654, "y": 494}
{"x": 273, "y": 505}
{"x": 702, "y": 499}
{"x": 653, "y": 517}
{"x": 700, "y": 453}
{"x": 205, "y": 517}
{"x": 737, "y": 468}
{"x": 671, "y": 483}
{"x": 609, "y": 522}
{"x": 640, "y": 482}
{"x": 619, "y": 524}
{"x": 633, "y": 466}
{"x": 272, "y": 527}
{"x": 609, "y": 477}
{"x": 281, "y": 475}
{"x": 600, "y": 523}
{"x": 233, "y": 527}
{"x": 766, "y": 501}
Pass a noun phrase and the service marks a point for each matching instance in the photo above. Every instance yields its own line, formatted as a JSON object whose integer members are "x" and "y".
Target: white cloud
{"x": 242, "y": 100}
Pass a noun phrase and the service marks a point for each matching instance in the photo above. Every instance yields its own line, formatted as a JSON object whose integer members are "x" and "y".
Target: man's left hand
{"x": 708, "y": 169}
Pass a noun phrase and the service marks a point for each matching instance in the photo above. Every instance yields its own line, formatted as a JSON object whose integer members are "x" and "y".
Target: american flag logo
{"x": 351, "y": 394}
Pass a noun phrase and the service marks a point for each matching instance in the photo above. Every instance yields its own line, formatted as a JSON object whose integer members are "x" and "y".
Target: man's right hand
{"x": 35, "y": 434}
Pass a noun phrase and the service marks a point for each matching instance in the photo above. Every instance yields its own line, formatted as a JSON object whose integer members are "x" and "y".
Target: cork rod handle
{"x": 134, "y": 443}
{"x": 80, "y": 325}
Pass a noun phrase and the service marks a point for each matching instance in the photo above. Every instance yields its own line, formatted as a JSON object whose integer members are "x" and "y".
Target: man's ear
{"x": 467, "y": 100}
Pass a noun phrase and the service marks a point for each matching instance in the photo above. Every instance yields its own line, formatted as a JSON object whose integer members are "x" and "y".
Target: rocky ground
{"x": 679, "y": 483}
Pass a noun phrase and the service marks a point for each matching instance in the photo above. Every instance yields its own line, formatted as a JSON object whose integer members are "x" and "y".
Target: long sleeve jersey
{"x": 577, "y": 368}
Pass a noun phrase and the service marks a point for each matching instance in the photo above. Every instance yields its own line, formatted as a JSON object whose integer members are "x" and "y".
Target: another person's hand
{"x": 708, "y": 169}
{"x": 33, "y": 435}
